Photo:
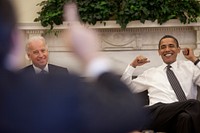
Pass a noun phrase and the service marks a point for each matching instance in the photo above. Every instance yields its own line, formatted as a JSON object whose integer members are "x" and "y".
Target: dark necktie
{"x": 43, "y": 72}
{"x": 175, "y": 84}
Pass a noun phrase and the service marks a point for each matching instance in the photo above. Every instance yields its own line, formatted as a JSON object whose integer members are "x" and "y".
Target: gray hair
{"x": 30, "y": 40}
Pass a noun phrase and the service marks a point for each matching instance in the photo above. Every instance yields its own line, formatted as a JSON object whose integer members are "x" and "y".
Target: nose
{"x": 167, "y": 48}
{"x": 40, "y": 54}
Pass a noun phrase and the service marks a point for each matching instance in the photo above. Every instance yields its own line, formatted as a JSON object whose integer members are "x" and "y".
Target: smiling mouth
{"x": 168, "y": 54}
{"x": 42, "y": 61}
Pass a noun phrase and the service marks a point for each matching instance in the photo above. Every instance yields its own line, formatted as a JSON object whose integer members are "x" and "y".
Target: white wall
{"x": 27, "y": 10}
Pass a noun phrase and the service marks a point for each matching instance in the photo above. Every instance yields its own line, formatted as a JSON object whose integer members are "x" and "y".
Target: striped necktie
{"x": 175, "y": 84}
{"x": 43, "y": 71}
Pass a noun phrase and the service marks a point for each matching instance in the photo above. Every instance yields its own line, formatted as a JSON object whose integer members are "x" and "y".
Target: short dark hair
{"x": 168, "y": 36}
{"x": 8, "y": 22}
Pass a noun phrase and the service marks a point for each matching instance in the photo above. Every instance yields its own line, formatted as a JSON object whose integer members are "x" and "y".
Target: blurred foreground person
{"x": 63, "y": 103}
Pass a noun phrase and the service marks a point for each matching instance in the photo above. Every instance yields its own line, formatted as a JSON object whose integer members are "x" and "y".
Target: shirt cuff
{"x": 129, "y": 69}
{"x": 97, "y": 67}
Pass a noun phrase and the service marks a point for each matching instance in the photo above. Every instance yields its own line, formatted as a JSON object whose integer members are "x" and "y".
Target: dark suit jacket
{"x": 66, "y": 104}
{"x": 52, "y": 69}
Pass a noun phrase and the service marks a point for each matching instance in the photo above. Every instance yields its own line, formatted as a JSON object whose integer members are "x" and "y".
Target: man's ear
{"x": 28, "y": 56}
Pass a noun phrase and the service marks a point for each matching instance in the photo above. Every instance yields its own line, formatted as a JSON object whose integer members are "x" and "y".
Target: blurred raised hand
{"x": 83, "y": 41}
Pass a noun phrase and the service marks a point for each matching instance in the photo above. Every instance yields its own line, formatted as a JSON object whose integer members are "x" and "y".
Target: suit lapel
{"x": 31, "y": 69}
{"x": 50, "y": 67}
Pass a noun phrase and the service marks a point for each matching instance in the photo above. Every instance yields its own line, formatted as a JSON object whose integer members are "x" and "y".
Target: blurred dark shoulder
{"x": 21, "y": 80}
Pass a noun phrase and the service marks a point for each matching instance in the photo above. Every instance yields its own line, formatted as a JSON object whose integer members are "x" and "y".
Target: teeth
{"x": 168, "y": 55}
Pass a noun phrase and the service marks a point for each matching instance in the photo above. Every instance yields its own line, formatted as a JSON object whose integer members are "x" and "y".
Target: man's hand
{"x": 139, "y": 60}
{"x": 84, "y": 42}
{"x": 189, "y": 54}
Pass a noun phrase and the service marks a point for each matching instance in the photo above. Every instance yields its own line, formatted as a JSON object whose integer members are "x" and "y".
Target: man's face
{"x": 168, "y": 50}
{"x": 38, "y": 53}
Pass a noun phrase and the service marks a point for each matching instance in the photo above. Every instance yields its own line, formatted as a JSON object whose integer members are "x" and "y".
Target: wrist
{"x": 134, "y": 66}
{"x": 196, "y": 61}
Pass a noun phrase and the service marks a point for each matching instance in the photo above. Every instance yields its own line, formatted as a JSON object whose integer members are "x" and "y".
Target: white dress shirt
{"x": 38, "y": 70}
{"x": 155, "y": 81}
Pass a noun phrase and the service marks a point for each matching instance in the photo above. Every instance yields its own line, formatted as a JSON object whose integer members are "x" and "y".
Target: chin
{"x": 169, "y": 62}
{"x": 42, "y": 65}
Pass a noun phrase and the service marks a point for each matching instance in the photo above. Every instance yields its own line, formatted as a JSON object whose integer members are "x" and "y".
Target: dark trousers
{"x": 178, "y": 117}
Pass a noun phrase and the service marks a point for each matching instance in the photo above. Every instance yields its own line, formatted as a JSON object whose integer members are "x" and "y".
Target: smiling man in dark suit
{"x": 37, "y": 52}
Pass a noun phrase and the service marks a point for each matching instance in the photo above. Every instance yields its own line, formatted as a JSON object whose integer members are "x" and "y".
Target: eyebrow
{"x": 165, "y": 45}
{"x": 168, "y": 44}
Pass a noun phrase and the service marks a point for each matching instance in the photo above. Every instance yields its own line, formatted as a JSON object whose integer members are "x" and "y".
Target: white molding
{"x": 112, "y": 24}
{"x": 134, "y": 37}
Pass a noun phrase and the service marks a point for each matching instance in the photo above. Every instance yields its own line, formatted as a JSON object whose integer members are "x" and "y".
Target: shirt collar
{"x": 173, "y": 65}
{"x": 38, "y": 70}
